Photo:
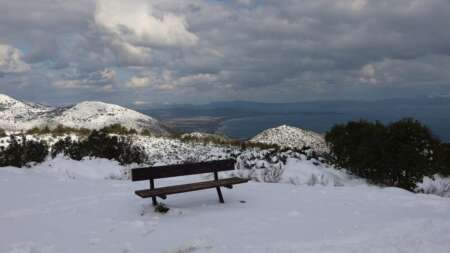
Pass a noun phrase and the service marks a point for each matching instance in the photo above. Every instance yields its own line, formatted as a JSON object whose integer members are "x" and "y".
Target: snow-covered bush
{"x": 261, "y": 165}
{"x": 21, "y": 152}
{"x": 436, "y": 185}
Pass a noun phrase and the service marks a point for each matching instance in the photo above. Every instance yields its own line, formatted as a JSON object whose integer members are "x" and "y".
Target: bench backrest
{"x": 148, "y": 173}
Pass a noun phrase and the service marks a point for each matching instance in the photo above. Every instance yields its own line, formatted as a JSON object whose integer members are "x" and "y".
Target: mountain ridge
{"x": 16, "y": 115}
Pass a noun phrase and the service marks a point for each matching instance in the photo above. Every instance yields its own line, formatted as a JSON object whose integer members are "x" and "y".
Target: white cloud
{"x": 198, "y": 80}
{"x": 101, "y": 80}
{"x": 134, "y": 23}
{"x": 140, "y": 102}
{"x": 11, "y": 60}
{"x": 355, "y": 5}
{"x": 167, "y": 81}
{"x": 138, "y": 82}
{"x": 244, "y": 2}
{"x": 394, "y": 72}
{"x": 163, "y": 81}
{"x": 368, "y": 74}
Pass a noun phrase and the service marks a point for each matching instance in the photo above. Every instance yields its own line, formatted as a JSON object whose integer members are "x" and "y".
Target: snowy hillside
{"x": 63, "y": 205}
{"x": 69, "y": 206}
{"x": 293, "y": 137}
{"x": 16, "y": 115}
{"x": 262, "y": 165}
{"x": 94, "y": 115}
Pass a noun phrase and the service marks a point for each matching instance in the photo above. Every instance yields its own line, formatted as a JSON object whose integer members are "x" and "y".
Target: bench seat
{"x": 162, "y": 191}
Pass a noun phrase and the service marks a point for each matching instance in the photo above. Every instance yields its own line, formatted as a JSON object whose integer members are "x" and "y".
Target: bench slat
{"x": 147, "y": 173}
{"x": 189, "y": 187}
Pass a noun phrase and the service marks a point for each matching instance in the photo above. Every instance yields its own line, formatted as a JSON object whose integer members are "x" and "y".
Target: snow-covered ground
{"x": 69, "y": 206}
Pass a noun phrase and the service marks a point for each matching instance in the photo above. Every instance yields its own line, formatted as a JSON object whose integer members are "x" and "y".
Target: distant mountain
{"x": 16, "y": 115}
{"x": 292, "y": 137}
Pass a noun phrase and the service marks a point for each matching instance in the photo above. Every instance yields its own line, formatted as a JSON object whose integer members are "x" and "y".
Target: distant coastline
{"x": 243, "y": 120}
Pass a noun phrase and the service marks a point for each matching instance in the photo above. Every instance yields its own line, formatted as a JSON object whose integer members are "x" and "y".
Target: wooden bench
{"x": 152, "y": 173}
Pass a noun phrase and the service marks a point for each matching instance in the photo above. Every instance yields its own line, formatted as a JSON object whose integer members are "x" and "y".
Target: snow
{"x": 436, "y": 184}
{"x": 63, "y": 205}
{"x": 16, "y": 115}
{"x": 292, "y": 137}
{"x": 305, "y": 172}
{"x": 48, "y": 138}
{"x": 51, "y": 208}
{"x": 97, "y": 168}
{"x": 163, "y": 150}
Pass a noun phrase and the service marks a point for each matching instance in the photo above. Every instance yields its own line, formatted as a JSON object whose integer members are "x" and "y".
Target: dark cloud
{"x": 202, "y": 50}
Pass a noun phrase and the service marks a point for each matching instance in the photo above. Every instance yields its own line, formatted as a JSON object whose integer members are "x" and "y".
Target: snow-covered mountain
{"x": 292, "y": 137}
{"x": 94, "y": 115}
{"x": 17, "y": 115}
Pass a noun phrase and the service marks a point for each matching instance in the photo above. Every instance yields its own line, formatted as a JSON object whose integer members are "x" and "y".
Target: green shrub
{"x": 20, "y": 153}
{"x": 411, "y": 148}
{"x": 220, "y": 140}
{"x": 102, "y": 145}
{"x": 72, "y": 149}
{"x": 118, "y": 129}
{"x": 60, "y": 130}
{"x": 399, "y": 154}
{"x": 38, "y": 131}
{"x": 443, "y": 159}
{"x": 146, "y": 132}
{"x": 2, "y": 133}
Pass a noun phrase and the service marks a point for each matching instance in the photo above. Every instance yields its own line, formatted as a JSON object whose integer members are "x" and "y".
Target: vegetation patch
{"x": 119, "y": 129}
{"x": 102, "y": 145}
{"x": 60, "y": 130}
{"x": 399, "y": 154}
{"x": 2, "y": 133}
{"x": 223, "y": 141}
{"x": 22, "y": 152}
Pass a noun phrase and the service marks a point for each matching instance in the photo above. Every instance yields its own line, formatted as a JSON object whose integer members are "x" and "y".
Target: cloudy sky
{"x": 197, "y": 51}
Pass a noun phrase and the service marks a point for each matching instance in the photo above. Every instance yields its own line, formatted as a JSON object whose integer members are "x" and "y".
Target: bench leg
{"x": 152, "y": 186}
{"x": 219, "y": 192}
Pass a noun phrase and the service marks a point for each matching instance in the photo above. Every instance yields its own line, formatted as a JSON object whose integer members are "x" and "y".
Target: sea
{"x": 248, "y": 127}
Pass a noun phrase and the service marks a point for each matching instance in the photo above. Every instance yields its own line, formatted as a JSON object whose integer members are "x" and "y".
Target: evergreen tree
{"x": 399, "y": 154}
{"x": 21, "y": 152}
